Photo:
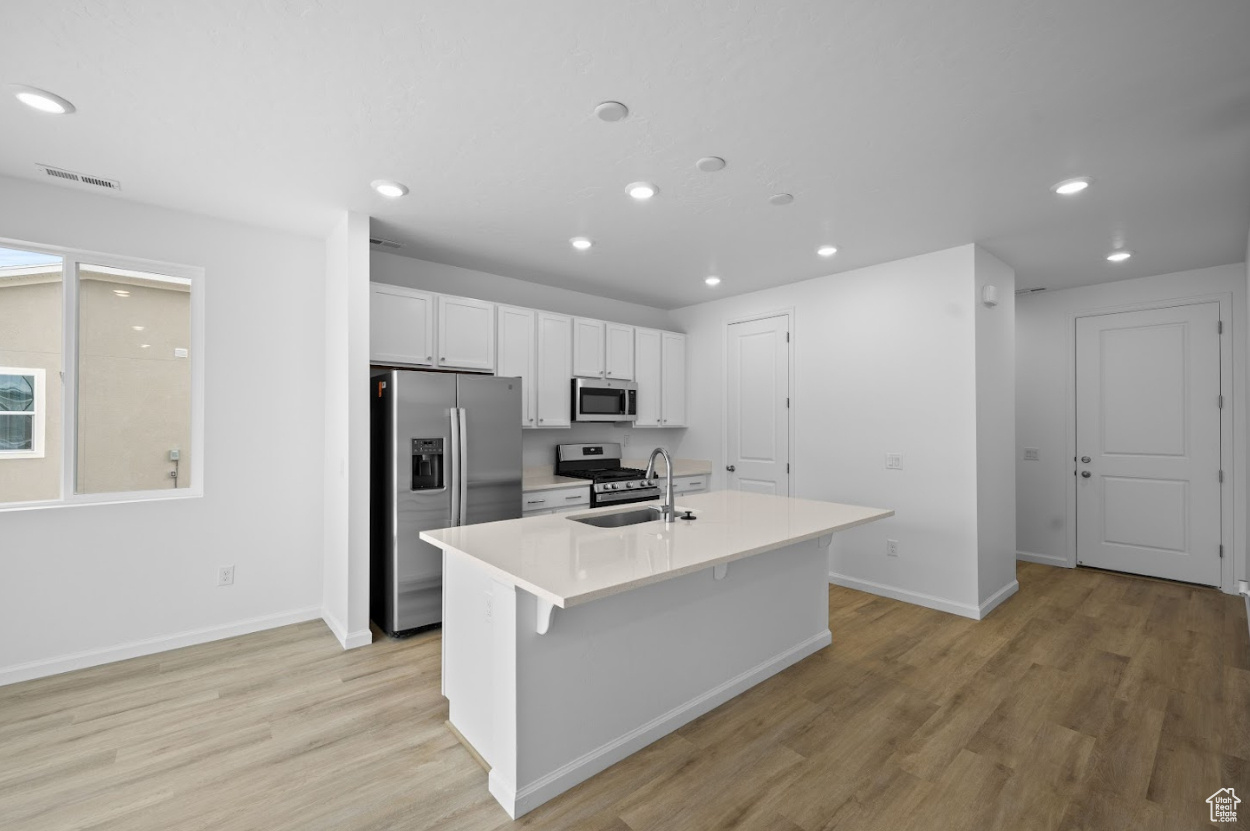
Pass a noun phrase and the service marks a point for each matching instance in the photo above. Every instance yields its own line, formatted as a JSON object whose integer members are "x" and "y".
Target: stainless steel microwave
{"x": 596, "y": 399}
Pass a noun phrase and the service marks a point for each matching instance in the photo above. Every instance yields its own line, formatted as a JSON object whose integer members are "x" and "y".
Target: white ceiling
{"x": 900, "y": 128}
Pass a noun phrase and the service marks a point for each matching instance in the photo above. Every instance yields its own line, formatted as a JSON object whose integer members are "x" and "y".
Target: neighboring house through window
{"x": 22, "y": 412}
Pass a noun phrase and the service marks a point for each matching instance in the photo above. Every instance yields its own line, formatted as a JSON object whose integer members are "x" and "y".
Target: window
{"x": 21, "y": 413}
{"x": 100, "y": 377}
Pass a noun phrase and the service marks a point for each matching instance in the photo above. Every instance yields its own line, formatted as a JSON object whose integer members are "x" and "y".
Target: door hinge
{"x": 787, "y": 467}
{"x": 1221, "y": 400}
{"x": 1221, "y": 477}
{"x": 1219, "y": 327}
{"x": 787, "y": 337}
{"x": 787, "y": 402}
{"x": 1221, "y": 551}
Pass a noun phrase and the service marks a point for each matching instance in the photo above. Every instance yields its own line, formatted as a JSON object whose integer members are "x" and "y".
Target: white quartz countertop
{"x": 565, "y": 562}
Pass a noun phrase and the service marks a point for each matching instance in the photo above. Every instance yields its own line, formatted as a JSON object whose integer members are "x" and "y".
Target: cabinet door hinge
{"x": 1221, "y": 551}
{"x": 1221, "y": 477}
{"x": 1219, "y": 327}
{"x": 787, "y": 402}
{"x": 787, "y": 467}
{"x": 787, "y": 337}
{"x": 1221, "y": 401}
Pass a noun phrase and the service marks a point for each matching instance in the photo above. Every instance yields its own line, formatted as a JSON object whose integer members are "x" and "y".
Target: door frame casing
{"x": 1232, "y": 525}
{"x": 788, "y": 314}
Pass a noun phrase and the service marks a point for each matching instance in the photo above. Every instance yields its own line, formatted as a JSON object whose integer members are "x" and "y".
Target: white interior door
{"x": 757, "y": 452}
{"x": 1148, "y": 442}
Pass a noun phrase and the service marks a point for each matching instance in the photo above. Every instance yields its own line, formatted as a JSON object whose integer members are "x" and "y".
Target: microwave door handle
{"x": 454, "y": 460}
{"x": 464, "y": 468}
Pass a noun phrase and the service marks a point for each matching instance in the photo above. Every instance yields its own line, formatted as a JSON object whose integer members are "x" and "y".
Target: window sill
{"x": 82, "y": 500}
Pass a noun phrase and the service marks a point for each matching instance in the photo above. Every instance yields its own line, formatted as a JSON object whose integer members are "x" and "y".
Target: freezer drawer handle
{"x": 535, "y": 502}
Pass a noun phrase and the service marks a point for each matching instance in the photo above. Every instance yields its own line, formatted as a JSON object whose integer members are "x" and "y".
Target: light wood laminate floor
{"x": 1087, "y": 701}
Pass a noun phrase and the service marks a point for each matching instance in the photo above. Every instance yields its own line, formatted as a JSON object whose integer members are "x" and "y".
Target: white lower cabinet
{"x": 690, "y": 484}
{"x": 555, "y": 500}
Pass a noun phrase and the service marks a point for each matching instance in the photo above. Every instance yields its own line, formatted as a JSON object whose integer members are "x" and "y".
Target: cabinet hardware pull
{"x": 573, "y": 497}
{"x": 535, "y": 502}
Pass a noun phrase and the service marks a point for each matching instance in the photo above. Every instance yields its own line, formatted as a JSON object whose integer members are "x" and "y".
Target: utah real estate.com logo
{"x": 1223, "y": 805}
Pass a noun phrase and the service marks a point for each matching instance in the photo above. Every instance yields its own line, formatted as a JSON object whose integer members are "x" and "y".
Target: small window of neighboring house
{"x": 21, "y": 413}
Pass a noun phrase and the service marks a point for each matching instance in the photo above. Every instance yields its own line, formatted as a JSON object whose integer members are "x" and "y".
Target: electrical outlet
{"x": 625, "y": 439}
{"x": 891, "y": 548}
{"x": 894, "y": 461}
{"x": 225, "y": 576}
{"x": 1030, "y": 454}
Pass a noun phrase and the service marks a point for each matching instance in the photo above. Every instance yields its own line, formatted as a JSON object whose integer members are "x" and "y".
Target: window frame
{"x": 72, "y": 259}
{"x": 38, "y": 415}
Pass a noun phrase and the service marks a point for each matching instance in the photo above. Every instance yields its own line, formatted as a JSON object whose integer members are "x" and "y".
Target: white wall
{"x": 1044, "y": 397}
{"x": 538, "y": 446}
{"x": 449, "y": 279}
{"x": 89, "y": 584}
{"x": 884, "y": 361}
{"x": 346, "y": 497}
{"x": 996, "y": 426}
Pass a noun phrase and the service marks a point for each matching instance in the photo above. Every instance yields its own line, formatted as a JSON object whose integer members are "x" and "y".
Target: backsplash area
{"x": 538, "y": 447}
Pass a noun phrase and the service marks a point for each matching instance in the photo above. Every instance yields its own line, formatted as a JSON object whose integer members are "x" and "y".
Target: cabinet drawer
{"x": 689, "y": 484}
{"x": 540, "y": 501}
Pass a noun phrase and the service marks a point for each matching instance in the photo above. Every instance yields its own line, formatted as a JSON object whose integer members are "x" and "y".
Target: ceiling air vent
{"x": 384, "y": 243}
{"x": 1029, "y": 291}
{"x": 79, "y": 178}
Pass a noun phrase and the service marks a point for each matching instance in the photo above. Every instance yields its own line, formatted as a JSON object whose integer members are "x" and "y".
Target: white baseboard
{"x": 349, "y": 640}
{"x": 994, "y": 600}
{"x": 149, "y": 646}
{"x": 1044, "y": 559}
{"x": 518, "y": 802}
{"x": 918, "y": 598}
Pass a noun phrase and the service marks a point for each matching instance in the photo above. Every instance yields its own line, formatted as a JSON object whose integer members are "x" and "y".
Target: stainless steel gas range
{"x": 611, "y": 484}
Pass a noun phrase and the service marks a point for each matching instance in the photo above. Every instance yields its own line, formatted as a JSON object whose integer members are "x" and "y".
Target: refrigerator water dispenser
{"x": 427, "y": 464}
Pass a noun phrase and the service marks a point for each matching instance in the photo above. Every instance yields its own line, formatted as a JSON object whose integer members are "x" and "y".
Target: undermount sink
{"x": 619, "y": 519}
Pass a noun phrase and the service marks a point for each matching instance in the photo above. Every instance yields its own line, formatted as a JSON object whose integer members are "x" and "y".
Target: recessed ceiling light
{"x": 145, "y": 345}
{"x": 642, "y": 190}
{"x": 389, "y": 189}
{"x": 137, "y": 328}
{"x": 580, "y": 243}
{"x": 710, "y": 164}
{"x": 781, "y": 199}
{"x": 712, "y": 281}
{"x": 827, "y": 250}
{"x": 121, "y": 292}
{"x": 611, "y": 111}
{"x": 43, "y": 101}
{"x": 1119, "y": 256}
{"x": 1071, "y": 187}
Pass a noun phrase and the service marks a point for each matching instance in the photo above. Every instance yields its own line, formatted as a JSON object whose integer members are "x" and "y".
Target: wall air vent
{"x": 1029, "y": 291}
{"x": 70, "y": 177}
{"x": 384, "y": 243}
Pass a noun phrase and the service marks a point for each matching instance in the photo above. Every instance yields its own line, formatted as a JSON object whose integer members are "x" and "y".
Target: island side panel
{"x": 472, "y": 669}
{"x": 615, "y": 674}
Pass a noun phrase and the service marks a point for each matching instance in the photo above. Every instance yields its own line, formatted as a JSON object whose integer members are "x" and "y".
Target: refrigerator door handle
{"x": 463, "y": 454}
{"x": 457, "y": 462}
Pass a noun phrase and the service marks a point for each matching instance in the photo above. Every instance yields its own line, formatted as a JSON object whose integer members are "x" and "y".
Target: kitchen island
{"x": 567, "y": 647}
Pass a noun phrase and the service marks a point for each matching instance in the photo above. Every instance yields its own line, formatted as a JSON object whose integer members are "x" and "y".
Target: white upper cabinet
{"x": 516, "y": 339}
{"x": 673, "y": 380}
{"x": 588, "y": 348}
{"x": 401, "y": 325}
{"x": 554, "y": 369}
{"x": 466, "y": 333}
{"x": 647, "y": 376}
{"x": 619, "y": 352}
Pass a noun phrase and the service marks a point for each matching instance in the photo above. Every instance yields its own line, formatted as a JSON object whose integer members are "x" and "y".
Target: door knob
{"x": 1085, "y": 474}
{"x": 1085, "y": 460}
{"x": 730, "y": 468}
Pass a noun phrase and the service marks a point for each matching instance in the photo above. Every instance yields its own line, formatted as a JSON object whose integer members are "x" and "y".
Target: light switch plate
{"x": 1030, "y": 454}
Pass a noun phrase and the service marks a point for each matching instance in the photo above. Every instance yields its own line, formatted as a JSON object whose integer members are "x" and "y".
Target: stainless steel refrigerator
{"x": 445, "y": 451}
